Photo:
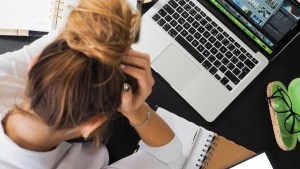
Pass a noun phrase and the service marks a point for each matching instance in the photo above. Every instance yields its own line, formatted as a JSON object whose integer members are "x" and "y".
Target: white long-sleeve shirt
{"x": 13, "y": 71}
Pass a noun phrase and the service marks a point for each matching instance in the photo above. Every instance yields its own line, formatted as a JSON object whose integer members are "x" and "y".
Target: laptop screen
{"x": 269, "y": 23}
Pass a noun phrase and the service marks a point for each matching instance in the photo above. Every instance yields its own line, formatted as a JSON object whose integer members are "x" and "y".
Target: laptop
{"x": 210, "y": 50}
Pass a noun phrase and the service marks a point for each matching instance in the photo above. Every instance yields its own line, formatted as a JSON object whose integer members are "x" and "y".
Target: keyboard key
{"x": 220, "y": 29}
{"x": 237, "y": 45}
{"x": 236, "y": 71}
{"x": 249, "y": 64}
{"x": 224, "y": 81}
{"x": 208, "y": 19}
{"x": 197, "y": 35}
{"x": 236, "y": 52}
{"x": 173, "y": 4}
{"x": 232, "y": 77}
{"x": 214, "y": 50}
{"x": 208, "y": 45}
{"x": 213, "y": 23}
{"x": 195, "y": 24}
{"x": 198, "y": 17}
{"x": 212, "y": 39}
{"x": 166, "y": 27}
{"x": 190, "y": 19}
{"x": 186, "y": 25}
{"x": 220, "y": 37}
{"x": 201, "y": 29}
{"x": 198, "y": 56}
{"x": 179, "y": 28}
{"x": 162, "y": 12}
{"x": 192, "y": 4}
{"x": 156, "y": 17}
{"x": 206, "y": 53}
{"x": 184, "y": 14}
{"x": 182, "y": 2}
{"x": 230, "y": 66}
{"x": 206, "y": 64}
{"x": 223, "y": 69}
{"x": 173, "y": 32}
{"x": 240, "y": 65}
{"x": 242, "y": 57}
{"x": 203, "y": 40}
{"x": 219, "y": 56}
{"x": 173, "y": 23}
{"x": 225, "y": 42}
{"x": 225, "y": 34}
{"x": 203, "y": 22}
{"x": 181, "y": 20}
{"x": 195, "y": 43}
{"x": 211, "y": 58}
{"x": 243, "y": 50}
{"x": 206, "y": 34}
{"x": 217, "y": 77}
{"x": 244, "y": 73}
{"x": 187, "y": 7}
{"x": 208, "y": 26}
{"x": 213, "y": 70}
{"x": 249, "y": 55}
{"x": 228, "y": 54}
{"x": 168, "y": 18}
{"x": 217, "y": 44}
{"x": 184, "y": 33}
{"x": 176, "y": 15}
{"x": 161, "y": 22}
{"x": 217, "y": 63}
{"x": 189, "y": 38}
{"x": 254, "y": 61}
{"x": 192, "y": 12}
{"x": 225, "y": 61}
{"x": 200, "y": 48}
{"x": 234, "y": 60}
{"x": 223, "y": 49}
{"x": 229, "y": 87}
{"x": 202, "y": 13}
{"x": 214, "y": 32}
{"x": 197, "y": 9}
{"x": 179, "y": 9}
{"x": 245, "y": 69}
{"x": 231, "y": 39}
{"x": 192, "y": 30}
{"x": 231, "y": 47}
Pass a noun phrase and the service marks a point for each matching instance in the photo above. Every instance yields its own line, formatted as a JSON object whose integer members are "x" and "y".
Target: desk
{"x": 245, "y": 121}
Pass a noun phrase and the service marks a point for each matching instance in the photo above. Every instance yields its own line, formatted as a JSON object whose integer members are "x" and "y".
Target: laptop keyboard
{"x": 207, "y": 42}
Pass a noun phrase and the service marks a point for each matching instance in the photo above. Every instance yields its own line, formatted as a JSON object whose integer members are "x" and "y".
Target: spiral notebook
{"x": 203, "y": 148}
{"x": 22, "y": 17}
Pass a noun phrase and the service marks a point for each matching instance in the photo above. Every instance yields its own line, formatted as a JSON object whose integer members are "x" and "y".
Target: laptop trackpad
{"x": 176, "y": 67}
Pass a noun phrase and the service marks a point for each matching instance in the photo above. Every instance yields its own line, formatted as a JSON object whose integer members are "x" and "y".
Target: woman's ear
{"x": 92, "y": 125}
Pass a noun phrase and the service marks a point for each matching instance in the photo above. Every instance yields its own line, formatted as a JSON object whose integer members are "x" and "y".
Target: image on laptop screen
{"x": 267, "y": 22}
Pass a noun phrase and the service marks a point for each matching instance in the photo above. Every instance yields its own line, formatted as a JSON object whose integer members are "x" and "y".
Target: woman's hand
{"x": 137, "y": 65}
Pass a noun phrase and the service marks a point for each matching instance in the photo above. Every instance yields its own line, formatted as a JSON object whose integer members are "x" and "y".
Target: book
{"x": 202, "y": 148}
{"x": 25, "y": 18}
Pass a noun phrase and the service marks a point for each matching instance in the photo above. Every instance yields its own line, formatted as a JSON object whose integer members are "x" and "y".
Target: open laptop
{"x": 210, "y": 50}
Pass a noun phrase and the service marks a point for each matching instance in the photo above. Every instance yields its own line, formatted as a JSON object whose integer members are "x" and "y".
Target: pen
{"x": 196, "y": 136}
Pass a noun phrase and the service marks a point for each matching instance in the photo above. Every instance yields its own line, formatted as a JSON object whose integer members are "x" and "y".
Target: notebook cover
{"x": 224, "y": 153}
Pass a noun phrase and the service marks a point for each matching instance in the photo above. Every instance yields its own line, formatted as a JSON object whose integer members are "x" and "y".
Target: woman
{"x": 74, "y": 87}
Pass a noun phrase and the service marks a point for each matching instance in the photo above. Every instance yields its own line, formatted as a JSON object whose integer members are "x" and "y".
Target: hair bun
{"x": 102, "y": 29}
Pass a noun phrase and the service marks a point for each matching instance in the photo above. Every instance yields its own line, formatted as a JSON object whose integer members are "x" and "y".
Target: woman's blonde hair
{"x": 77, "y": 77}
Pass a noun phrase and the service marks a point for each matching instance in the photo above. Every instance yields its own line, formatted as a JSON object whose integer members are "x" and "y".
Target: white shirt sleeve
{"x": 16, "y": 63}
{"x": 164, "y": 157}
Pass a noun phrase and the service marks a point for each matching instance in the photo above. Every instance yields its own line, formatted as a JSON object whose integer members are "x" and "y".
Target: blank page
{"x": 26, "y": 14}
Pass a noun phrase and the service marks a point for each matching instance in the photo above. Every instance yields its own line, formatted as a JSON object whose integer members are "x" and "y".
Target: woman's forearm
{"x": 154, "y": 132}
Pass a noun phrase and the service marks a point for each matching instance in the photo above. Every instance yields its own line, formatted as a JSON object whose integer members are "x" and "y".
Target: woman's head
{"x": 77, "y": 77}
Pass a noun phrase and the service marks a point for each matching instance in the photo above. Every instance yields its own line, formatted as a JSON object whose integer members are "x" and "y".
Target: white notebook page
{"x": 26, "y": 14}
{"x": 184, "y": 130}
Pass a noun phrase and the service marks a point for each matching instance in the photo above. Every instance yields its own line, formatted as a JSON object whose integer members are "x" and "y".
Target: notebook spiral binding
{"x": 56, "y": 11}
{"x": 208, "y": 151}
